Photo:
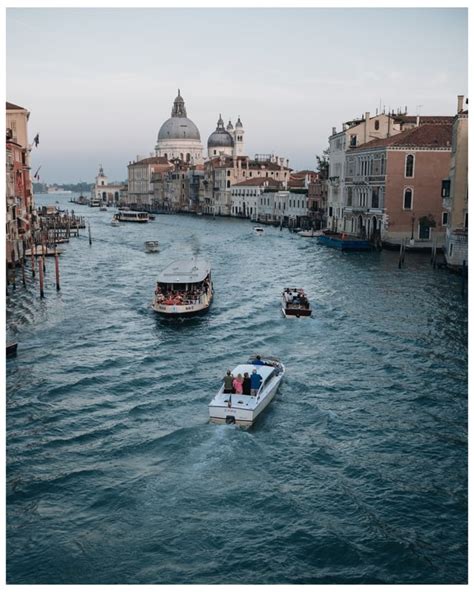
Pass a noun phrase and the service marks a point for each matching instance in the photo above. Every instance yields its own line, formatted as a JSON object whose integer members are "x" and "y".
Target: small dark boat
{"x": 294, "y": 303}
{"x": 11, "y": 348}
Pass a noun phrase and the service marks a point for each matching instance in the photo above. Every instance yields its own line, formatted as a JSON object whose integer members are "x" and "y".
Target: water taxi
{"x": 258, "y": 230}
{"x": 243, "y": 409}
{"x": 131, "y": 216}
{"x": 294, "y": 303}
{"x": 184, "y": 287}
{"x": 152, "y": 246}
{"x": 94, "y": 202}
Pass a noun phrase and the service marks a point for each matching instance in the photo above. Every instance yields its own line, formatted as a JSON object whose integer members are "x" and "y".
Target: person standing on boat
{"x": 255, "y": 382}
{"x": 258, "y": 361}
{"x": 246, "y": 386}
{"x": 238, "y": 384}
{"x": 228, "y": 380}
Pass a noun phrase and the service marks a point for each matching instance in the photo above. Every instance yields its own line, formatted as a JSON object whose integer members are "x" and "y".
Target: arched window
{"x": 377, "y": 124}
{"x": 409, "y": 165}
{"x": 188, "y": 157}
{"x": 408, "y": 199}
{"x": 228, "y": 184}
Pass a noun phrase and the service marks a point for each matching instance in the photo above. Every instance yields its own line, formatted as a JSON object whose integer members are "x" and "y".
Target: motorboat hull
{"x": 344, "y": 244}
{"x": 292, "y": 313}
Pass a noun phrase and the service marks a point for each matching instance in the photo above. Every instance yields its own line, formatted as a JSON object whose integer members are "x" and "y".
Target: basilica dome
{"x": 220, "y": 138}
{"x": 178, "y": 136}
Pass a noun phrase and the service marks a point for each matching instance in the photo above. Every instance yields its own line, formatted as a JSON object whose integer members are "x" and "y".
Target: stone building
{"x": 455, "y": 192}
{"x": 317, "y": 202}
{"x": 392, "y": 186}
{"x": 105, "y": 192}
{"x": 226, "y": 141}
{"x": 20, "y": 213}
{"x": 249, "y": 198}
{"x": 141, "y": 190}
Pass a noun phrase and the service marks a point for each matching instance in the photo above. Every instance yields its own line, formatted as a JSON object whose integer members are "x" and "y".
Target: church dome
{"x": 220, "y": 138}
{"x": 178, "y": 126}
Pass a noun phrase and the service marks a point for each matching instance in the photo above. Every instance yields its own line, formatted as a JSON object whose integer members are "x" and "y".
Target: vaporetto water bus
{"x": 243, "y": 409}
{"x": 130, "y": 216}
{"x": 184, "y": 287}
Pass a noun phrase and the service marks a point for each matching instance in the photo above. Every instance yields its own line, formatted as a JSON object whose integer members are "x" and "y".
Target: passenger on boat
{"x": 228, "y": 380}
{"x": 258, "y": 361}
{"x": 238, "y": 384}
{"x": 255, "y": 382}
{"x": 246, "y": 385}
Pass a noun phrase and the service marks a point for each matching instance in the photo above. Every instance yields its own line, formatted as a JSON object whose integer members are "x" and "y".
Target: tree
{"x": 323, "y": 164}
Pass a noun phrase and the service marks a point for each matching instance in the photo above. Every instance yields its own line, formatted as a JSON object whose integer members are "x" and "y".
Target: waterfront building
{"x": 20, "y": 213}
{"x": 317, "y": 202}
{"x": 179, "y": 136}
{"x": 455, "y": 192}
{"x": 392, "y": 186}
{"x": 250, "y": 198}
{"x": 140, "y": 187}
{"x": 223, "y": 172}
{"x": 177, "y": 189}
{"x": 107, "y": 193}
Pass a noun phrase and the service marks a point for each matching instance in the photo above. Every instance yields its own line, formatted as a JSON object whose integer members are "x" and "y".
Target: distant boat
{"x": 152, "y": 246}
{"x": 310, "y": 233}
{"x": 115, "y": 222}
{"x": 294, "y": 303}
{"x": 258, "y": 230}
{"x": 103, "y": 208}
{"x": 94, "y": 202}
{"x": 131, "y": 216}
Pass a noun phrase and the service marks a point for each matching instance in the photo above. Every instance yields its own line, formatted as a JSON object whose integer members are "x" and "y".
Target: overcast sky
{"x": 100, "y": 82}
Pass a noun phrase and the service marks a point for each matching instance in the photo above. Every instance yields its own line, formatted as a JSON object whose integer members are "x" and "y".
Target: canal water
{"x": 356, "y": 473}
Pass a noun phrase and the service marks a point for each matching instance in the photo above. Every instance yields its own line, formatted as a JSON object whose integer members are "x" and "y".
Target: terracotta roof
{"x": 303, "y": 173}
{"x": 424, "y": 118}
{"x": 428, "y": 135}
{"x": 258, "y": 182}
{"x": 12, "y": 106}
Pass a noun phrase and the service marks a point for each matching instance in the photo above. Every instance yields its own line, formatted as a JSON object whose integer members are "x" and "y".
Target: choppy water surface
{"x": 356, "y": 473}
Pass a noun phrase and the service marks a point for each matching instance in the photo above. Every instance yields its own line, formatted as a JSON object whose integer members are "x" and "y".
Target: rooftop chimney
{"x": 333, "y": 131}
{"x": 417, "y": 120}
{"x": 460, "y": 103}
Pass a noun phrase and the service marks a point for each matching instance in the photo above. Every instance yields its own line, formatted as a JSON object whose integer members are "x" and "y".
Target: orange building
{"x": 393, "y": 186}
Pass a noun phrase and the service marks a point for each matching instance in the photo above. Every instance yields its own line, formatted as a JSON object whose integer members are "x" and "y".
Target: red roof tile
{"x": 428, "y": 135}
{"x": 258, "y": 182}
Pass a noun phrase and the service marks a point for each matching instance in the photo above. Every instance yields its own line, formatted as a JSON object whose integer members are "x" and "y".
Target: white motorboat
{"x": 131, "y": 216}
{"x": 258, "y": 230}
{"x": 310, "y": 233}
{"x": 294, "y": 303}
{"x": 184, "y": 287}
{"x": 94, "y": 202}
{"x": 115, "y": 222}
{"x": 243, "y": 410}
{"x": 152, "y": 246}
{"x": 103, "y": 208}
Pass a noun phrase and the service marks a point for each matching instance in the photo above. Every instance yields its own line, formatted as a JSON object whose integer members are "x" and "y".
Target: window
{"x": 377, "y": 124}
{"x": 228, "y": 173}
{"x": 408, "y": 199}
{"x": 349, "y": 196}
{"x": 330, "y": 211}
{"x": 424, "y": 232}
{"x": 353, "y": 141}
{"x": 445, "y": 188}
{"x": 465, "y": 220}
{"x": 228, "y": 184}
{"x": 409, "y": 165}
{"x": 375, "y": 197}
{"x": 444, "y": 219}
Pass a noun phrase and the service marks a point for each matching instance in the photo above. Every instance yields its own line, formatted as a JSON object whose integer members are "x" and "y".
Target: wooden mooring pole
{"x": 23, "y": 277}
{"x": 32, "y": 243}
{"x": 90, "y": 236}
{"x": 401, "y": 257}
{"x": 56, "y": 262}
{"x": 13, "y": 277}
{"x": 41, "y": 274}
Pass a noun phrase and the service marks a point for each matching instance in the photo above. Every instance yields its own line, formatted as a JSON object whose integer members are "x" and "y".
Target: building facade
{"x": 392, "y": 186}
{"x": 20, "y": 212}
{"x": 455, "y": 192}
{"x": 105, "y": 192}
{"x": 141, "y": 190}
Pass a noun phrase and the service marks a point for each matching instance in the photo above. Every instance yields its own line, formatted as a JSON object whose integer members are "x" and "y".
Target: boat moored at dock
{"x": 343, "y": 242}
{"x": 131, "y": 216}
{"x": 183, "y": 288}
{"x": 294, "y": 303}
{"x": 243, "y": 408}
